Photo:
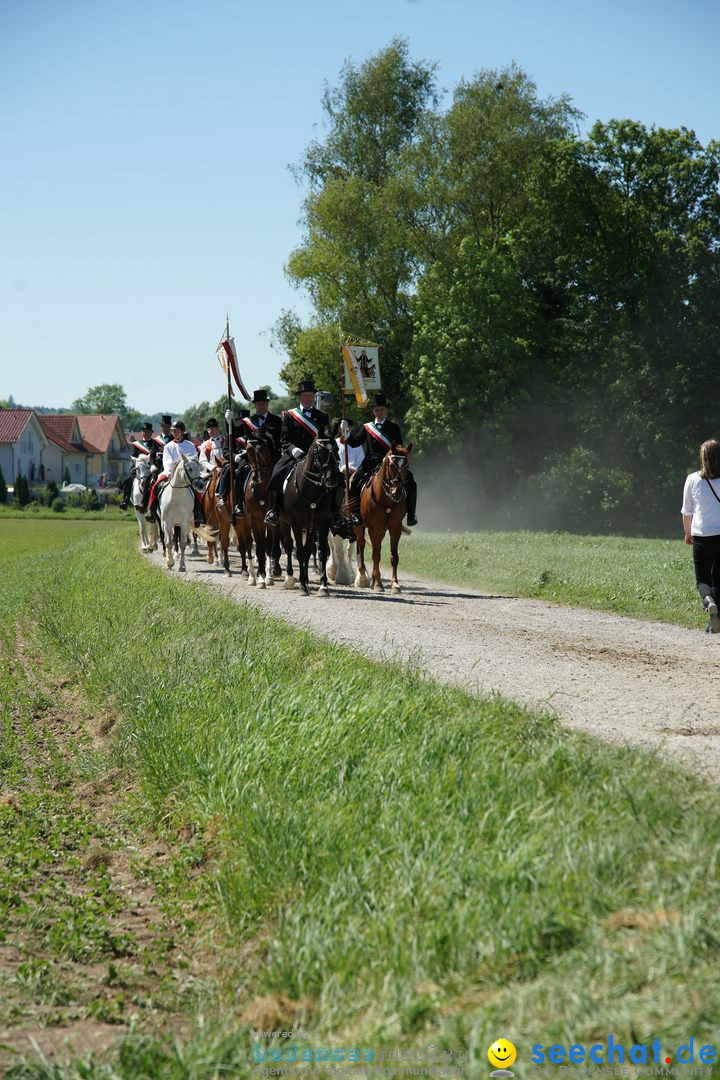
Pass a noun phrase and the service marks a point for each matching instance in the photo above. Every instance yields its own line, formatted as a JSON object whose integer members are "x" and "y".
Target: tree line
{"x": 548, "y": 302}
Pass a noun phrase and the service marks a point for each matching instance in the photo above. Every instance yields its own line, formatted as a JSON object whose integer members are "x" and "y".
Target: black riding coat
{"x": 272, "y": 427}
{"x": 375, "y": 451}
{"x": 294, "y": 434}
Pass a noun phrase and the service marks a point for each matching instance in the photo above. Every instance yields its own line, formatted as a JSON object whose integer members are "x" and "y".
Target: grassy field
{"x": 648, "y": 579}
{"x": 389, "y": 861}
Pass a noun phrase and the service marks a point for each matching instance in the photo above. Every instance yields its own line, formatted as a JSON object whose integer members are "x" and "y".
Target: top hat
{"x": 147, "y": 426}
{"x": 212, "y": 422}
{"x": 166, "y": 418}
{"x": 306, "y": 385}
{"x": 260, "y": 395}
{"x": 178, "y": 424}
{"x": 379, "y": 399}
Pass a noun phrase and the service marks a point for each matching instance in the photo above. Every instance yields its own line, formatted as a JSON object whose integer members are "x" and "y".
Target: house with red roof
{"x": 22, "y": 441}
{"x": 65, "y": 448}
{"x": 104, "y": 439}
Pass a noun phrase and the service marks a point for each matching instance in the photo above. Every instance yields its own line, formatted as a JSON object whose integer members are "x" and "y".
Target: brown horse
{"x": 255, "y": 498}
{"x": 218, "y": 518}
{"x": 382, "y": 509}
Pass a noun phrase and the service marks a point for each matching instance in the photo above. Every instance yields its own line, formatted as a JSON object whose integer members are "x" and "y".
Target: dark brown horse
{"x": 255, "y": 499}
{"x": 382, "y": 509}
{"x": 307, "y": 507}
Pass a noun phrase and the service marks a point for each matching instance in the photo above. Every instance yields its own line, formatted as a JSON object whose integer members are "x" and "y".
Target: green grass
{"x": 424, "y": 867}
{"x": 648, "y": 579}
{"x": 34, "y": 512}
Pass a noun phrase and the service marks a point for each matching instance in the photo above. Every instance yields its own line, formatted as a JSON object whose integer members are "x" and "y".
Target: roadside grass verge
{"x": 396, "y": 861}
{"x": 35, "y": 512}
{"x": 647, "y": 579}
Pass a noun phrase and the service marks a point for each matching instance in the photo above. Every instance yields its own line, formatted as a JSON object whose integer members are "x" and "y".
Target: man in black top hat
{"x": 262, "y": 420}
{"x": 299, "y": 428}
{"x": 144, "y": 446}
{"x": 377, "y": 437}
{"x": 165, "y": 435}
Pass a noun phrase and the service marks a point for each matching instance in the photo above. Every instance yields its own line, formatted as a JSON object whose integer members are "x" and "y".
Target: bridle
{"x": 322, "y": 474}
{"x": 182, "y": 463}
{"x": 259, "y": 459}
{"x": 396, "y": 466}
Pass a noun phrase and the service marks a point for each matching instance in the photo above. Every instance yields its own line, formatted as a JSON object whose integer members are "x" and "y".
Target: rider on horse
{"x": 263, "y": 420}
{"x": 145, "y": 446}
{"x": 378, "y": 436}
{"x": 300, "y": 427}
{"x": 174, "y": 450}
{"x": 212, "y": 444}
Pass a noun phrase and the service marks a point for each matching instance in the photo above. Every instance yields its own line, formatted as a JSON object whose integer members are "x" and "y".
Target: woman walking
{"x": 701, "y": 521}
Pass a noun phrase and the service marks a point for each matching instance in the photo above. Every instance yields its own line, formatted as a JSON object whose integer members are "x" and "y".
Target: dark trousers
{"x": 706, "y": 556}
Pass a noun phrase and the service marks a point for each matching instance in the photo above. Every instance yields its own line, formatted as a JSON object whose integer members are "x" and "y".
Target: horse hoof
{"x": 395, "y": 587}
{"x": 289, "y": 582}
{"x": 269, "y": 580}
{"x": 377, "y": 586}
{"x": 261, "y": 583}
{"x": 323, "y": 591}
{"x": 252, "y": 581}
{"x": 182, "y": 570}
{"x": 362, "y": 582}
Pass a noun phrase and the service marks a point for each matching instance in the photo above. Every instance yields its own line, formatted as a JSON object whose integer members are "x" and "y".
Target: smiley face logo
{"x": 501, "y": 1054}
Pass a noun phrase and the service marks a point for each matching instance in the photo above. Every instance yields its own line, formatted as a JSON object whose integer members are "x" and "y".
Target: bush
{"x": 22, "y": 490}
{"x": 51, "y": 493}
{"x": 3, "y": 488}
{"x": 58, "y": 505}
{"x": 581, "y": 493}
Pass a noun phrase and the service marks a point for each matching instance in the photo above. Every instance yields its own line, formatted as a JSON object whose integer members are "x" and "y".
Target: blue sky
{"x": 145, "y": 191}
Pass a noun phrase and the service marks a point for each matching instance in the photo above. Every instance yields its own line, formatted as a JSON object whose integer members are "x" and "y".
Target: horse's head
{"x": 394, "y": 470}
{"x": 142, "y": 467}
{"x": 322, "y": 461}
{"x": 259, "y": 453}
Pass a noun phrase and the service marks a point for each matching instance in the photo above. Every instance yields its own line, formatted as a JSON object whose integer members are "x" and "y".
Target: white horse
{"x": 340, "y": 569}
{"x": 148, "y": 533}
{"x": 177, "y": 505}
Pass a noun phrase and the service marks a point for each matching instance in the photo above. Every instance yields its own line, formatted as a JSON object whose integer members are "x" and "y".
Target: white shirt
{"x": 173, "y": 452}
{"x": 699, "y": 501}
{"x": 356, "y": 455}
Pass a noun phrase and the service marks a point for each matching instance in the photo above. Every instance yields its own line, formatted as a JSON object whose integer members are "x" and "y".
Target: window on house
{"x": 77, "y": 466}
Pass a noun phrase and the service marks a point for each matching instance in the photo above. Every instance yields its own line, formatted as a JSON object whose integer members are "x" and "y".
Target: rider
{"x": 263, "y": 420}
{"x": 165, "y": 434}
{"x": 378, "y": 435}
{"x": 145, "y": 446}
{"x": 178, "y": 445}
{"x": 212, "y": 444}
{"x": 299, "y": 427}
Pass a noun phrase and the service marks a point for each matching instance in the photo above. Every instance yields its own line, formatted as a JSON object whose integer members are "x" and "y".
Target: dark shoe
{"x": 337, "y": 521}
{"x": 238, "y": 512}
{"x": 271, "y": 518}
{"x": 124, "y": 504}
{"x": 713, "y": 618}
{"x": 411, "y": 519}
{"x": 149, "y": 518}
{"x": 354, "y": 521}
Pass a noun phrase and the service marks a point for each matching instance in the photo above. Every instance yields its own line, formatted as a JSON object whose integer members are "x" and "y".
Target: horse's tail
{"x": 206, "y": 533}
{"x": 406, "y": 531}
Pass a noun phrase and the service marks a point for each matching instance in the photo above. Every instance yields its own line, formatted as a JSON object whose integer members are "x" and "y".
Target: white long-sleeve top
{"x": 356, "y": 455}
{"x": 173, "y": 451}
{"x": 699, "y": 501}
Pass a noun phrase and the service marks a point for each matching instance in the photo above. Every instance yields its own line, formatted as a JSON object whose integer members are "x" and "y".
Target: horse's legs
{"x": 376, "y": 538}
{"x": 289, "y": 582}
{"x": 361, "y": 579}
{"x": 303, "y": 555}
{"x": 323, "y": 546}
{"x": 258, "y": 531}
{"x": 169, "y": 557}
{"x": 276, "y": 553}
{"x": 181, "y": 539}
{"x": 195, "y": 547}
{"x": 395, "y": 534}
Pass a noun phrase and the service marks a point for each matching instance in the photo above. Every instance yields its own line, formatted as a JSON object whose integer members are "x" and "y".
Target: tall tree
{"x": 107, "y": 398}
{"x": 355, "y": 260}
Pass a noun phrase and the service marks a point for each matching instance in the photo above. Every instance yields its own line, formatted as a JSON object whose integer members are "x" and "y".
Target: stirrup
{"x": 271, "y": 518}
{"x": 238, "y": 512}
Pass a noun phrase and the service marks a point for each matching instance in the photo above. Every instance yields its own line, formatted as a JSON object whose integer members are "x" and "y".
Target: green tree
{"x": 356, "y": 259}
{"x": 3, "y": 489}
{"x": 22, "y": 490}
{"x": 66, "y": 475}
{"x": 107, "y": 398}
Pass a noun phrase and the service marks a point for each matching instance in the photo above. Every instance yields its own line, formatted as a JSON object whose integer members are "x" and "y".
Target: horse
{"x": 148, "y": 533}
{"x": 255, "y": 497}
{"x": 382, "y": 509}
{"x": 216, "y": 517}
{"x": 307, "y": 506}
{"x": 176, "y": 505}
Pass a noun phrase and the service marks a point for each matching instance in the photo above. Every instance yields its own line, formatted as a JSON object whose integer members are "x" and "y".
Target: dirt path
{"x": 626, "y": 681}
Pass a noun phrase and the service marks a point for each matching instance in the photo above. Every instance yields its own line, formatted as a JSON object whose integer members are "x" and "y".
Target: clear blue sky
{"x": 144, "y": 189}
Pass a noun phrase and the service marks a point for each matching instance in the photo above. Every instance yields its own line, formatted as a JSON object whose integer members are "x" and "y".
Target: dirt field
{"x": 621, "y": 679}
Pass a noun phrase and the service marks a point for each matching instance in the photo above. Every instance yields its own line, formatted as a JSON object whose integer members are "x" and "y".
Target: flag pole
{"x": 229, "y": 426}
{"x": 342, "y": 404}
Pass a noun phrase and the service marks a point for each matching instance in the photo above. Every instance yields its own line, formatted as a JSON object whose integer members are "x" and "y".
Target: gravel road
{"x": 626, "y": 681}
